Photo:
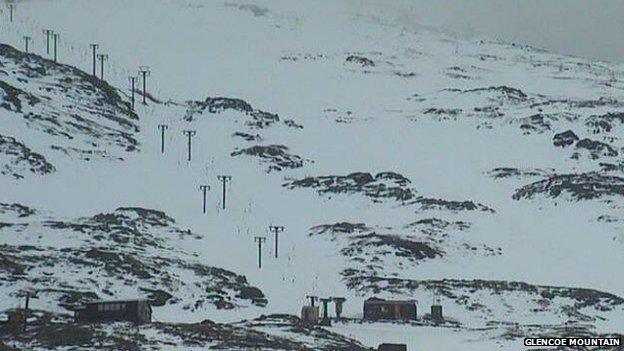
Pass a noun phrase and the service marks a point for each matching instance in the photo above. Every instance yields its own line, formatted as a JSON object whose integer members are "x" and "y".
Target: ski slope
{"x": 351, "y": 94}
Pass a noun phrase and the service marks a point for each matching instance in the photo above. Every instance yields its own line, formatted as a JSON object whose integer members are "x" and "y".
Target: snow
{"x": 197, "y": 49}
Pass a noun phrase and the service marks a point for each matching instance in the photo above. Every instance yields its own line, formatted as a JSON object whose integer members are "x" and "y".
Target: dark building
{"x": 389, "y": 309}
{"x": 392, "y": 347}
{"x": 137, "y": 311}
{"x": 436, "y": 313}
{"x": 310, "y": 314}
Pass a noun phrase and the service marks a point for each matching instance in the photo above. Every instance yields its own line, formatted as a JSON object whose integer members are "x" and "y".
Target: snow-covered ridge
{"x": 127, "y": 252}
{"x": 72, "y": 113}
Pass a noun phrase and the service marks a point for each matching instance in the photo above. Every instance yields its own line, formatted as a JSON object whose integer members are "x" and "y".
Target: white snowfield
{"x": 401, "y": 162}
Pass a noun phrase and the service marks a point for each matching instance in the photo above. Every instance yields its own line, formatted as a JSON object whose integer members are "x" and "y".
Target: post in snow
{"x": 276, "y": 230}
{"x": 48, "y": 33}
{"x": 11, "y": 8}
{"x": 162, "y": 128}
{"x": 94, "y": 48}
{"x": 102, "y": 58}
{"x": 260, "y": 240}
{"x": 27, "y": 39}
{"x": 204, "y": 189}
{"x": 29, "y": 293}
{"x": 144, "y": 71}
{"x": 325, "y": 320}
{"x": 55, "y": 37}
{"x": 132, "y": 80}
{"x": 190, "y": 134}
{"x": 224, "y": 179}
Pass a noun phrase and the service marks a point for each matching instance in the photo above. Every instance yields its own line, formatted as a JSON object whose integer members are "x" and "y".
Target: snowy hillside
{"x": 66, "y": 111}
{"x": 401, "y": 164}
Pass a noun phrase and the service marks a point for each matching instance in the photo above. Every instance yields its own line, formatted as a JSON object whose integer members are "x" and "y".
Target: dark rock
{"x": 385, "y": 185}
{"x": 259, "y": 118}
{"x": 247, "y": 136}
{"x": 582, "y": 186}
{"x": 441, "y": 204}
{"x": 360, "y": 60}
{"x": 20, "y": 160}
{"x": 605, "y": 122}
{"x": 564, "y": 139}
{"x": 276, "y": 156}
{"x": 596, "y": 149}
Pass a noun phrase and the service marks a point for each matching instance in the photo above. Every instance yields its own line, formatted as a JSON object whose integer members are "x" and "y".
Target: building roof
{"x": 389, "y": 302}
{"x": 116, "y": 301}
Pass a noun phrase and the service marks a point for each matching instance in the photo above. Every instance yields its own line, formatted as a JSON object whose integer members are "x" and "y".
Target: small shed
{"x": 137, "y": 311}
{"x": 375, "y": 309}
{"x": 392, "y": 347}
{"x": 436, "y": 313}
{"x": 310, "y": 314}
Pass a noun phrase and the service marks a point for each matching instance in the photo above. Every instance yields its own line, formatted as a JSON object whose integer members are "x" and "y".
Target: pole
{"x": 259, "y": 240}
{"x": 133, "y": 80}
{"x": 325, "y": 321}
{"x": 276, "y": 230}
{"x": 55, "y": 36}
{"x": 102, "y": 58}
{"x": 144, "y": 71}
{"x": 224, "y": 179}
{"x": 26, "y": 40}
{"x": 189, "y": 134}
{"x": 162, "y": 128}
{"x": 26, "y": 310}
{"x": 47, "y": 33}
{"x": 338, "y": 301}
{"x": 204, "y": 189}
{"x": 94, "y": 48}
{"x": 312, "y": 299}
{"x": 11, "y": 6}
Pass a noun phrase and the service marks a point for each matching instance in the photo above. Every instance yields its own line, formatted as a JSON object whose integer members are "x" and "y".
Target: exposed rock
{"x": 49, "y": 331}
{"x": 292, "y": 124}
{"x": 360, "y": 60}
{"x": 510, "y": 172}
{"x": 257, "y": 11}
{"x": 373, "y": 251}
{"x": 20, "y": 210}
{"x": 605, "y": 122}
{"x": 385, "y": 185}
{"x": 276, "y": 156}
{"x": 564, "y": 139}
{"x": 496, "y": 300}
{"x": 535, "y": 123}
{"x": 509, "y": 92}
{"x": 259, "y": 119}
{"x": 441, "y": 204}
{"x": 611, "y": 167}
{"x": 111, "y": 253}
{"x": 443, "y": 111}
{"x": 68, "y": 104}
{"x": 247, "y": 136}
{"x": 582, "y": 186}
{"x": 17, "y": 160}
{"x": 596, "y": 149}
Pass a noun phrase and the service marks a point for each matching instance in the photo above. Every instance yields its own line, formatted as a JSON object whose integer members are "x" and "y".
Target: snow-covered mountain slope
{"x": 126, "y": 252}
{"x": 274, "y": 332}
{"x": 402, "y": 164}
{"x": 62, "y": 111}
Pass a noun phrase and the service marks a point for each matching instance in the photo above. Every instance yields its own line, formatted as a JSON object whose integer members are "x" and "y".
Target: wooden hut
{"x": 137, "y": 311}
{"x": 392, "y": 347}
{"x": 375, "y": 309}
